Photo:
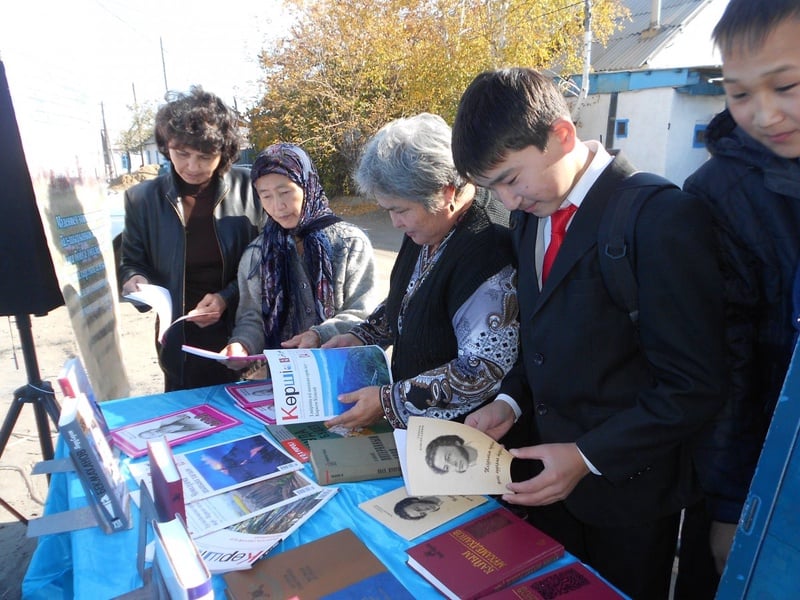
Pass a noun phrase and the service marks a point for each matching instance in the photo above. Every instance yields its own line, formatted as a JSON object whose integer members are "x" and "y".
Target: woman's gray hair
{"x": 411, "y": 159}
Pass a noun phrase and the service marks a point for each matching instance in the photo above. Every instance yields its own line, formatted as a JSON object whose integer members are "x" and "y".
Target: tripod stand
{"x": 36, "y": 392}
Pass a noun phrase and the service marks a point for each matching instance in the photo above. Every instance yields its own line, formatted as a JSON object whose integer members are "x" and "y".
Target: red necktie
{"x": 558, "y": 228}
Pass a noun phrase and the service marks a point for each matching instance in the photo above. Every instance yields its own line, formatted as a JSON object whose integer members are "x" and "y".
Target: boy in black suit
{"x": 752, "y": 185}
{"x": 612, "y": 403}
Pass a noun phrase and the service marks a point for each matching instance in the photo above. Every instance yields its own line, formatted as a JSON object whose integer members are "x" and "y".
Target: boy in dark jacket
{"x": 752, "y": 185}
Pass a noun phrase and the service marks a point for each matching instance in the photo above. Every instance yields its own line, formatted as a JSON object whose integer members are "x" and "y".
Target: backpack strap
{"x": 615, "y": 238}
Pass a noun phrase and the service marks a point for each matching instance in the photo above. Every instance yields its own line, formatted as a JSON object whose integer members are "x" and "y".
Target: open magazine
{"x": 307, "y": 382}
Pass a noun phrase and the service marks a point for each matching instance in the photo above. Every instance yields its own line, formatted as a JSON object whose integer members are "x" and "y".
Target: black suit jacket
{"x": 630, "y": 399}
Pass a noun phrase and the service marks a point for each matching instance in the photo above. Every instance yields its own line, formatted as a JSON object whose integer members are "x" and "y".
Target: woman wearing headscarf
{"x": 451, "y": 312}
{"x": 309, "y": 276}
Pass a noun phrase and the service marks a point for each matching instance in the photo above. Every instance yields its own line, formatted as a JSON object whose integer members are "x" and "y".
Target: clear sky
{"x": 68, "y": 61}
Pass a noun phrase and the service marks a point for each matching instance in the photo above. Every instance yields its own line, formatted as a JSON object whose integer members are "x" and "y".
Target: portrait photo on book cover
{"x": 450, "y": 454}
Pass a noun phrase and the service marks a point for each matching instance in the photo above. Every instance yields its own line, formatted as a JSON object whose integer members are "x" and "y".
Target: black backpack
{"x": 615, "y": 238}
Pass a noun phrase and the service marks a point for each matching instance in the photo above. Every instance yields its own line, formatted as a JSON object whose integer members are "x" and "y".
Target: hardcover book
{"x": 572, "y": 582}
{"x": 295, "y": 437}
{"x": 178, "y": 427}
{"x": 225, "y": 466}
{"x": 179, "y": 564}
{"x": 253, "y": 394}
{"x": 336, "y": 566}
{"x": 166, "y": 481}
{"x": 411, "y": 516}
{"x": 95, "y": 464}
{"x": 483, "y": 555}
{"x": 356, "y": 458}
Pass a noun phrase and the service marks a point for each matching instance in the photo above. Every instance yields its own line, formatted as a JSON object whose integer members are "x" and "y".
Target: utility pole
{"x": 107, "y": 156}
{"x": 138, "y": 124}
{"x": 587, "y": 58}
{"x": 163, "y": 65}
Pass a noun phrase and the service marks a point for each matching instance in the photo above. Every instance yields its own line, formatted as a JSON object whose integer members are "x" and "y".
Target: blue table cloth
{"x": 90, "y": 564}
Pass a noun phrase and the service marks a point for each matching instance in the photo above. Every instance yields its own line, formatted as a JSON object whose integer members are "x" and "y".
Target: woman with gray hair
{"x": 451, "y": 312}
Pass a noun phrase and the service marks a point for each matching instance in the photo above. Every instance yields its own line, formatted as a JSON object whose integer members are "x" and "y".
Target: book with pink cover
{"x": 178, "y": 427}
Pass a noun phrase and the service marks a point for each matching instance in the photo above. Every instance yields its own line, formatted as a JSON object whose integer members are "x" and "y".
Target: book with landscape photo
{"x": 166, "y": 481}
{"x": 483, "y": 555}
{"x": 295, "y": 437}
{"x": 356, "y": 458}
{"x": 571, "y": 582}
{"x": 411, "y": 516}
{"x": 447, "y": 457}
{"x": 339, "y": 565}
{"x": 239, "y": 545}
{"x": 178, "y": 563}
{"x": 178, "y": 427}
{"x": 307, "y": 382}
{"x": 236, "y": 505}
{"x": 225, "y": 466}
{"x": 95, "y": 463}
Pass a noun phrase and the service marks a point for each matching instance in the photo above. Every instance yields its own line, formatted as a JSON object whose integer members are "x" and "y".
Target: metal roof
{"x": 632, "y": 46}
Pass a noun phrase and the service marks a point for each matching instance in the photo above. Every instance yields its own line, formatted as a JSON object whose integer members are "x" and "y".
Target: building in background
{"x": 654, "y": 87}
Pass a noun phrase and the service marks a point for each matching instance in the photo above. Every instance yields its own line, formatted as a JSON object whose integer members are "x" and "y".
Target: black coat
{"x": 631, "y": 401}
{"x": 754, "y": 196}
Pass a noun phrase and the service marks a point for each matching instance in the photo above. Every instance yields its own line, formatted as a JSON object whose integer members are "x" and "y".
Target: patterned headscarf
{"x": 278, "y": 243}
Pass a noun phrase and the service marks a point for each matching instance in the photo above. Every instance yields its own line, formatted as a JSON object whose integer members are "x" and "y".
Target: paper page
{"x": 217, "y": 355}
{"x": 159, "y": 300}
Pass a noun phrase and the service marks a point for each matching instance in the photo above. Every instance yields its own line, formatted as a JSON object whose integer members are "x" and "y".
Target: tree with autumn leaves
{"x": 346, "y": 67}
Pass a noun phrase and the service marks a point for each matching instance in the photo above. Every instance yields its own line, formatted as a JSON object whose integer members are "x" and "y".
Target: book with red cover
{"x": 571, "y": 582}
{"x": 166, "y": 481}
{"x": 483, "y": 555}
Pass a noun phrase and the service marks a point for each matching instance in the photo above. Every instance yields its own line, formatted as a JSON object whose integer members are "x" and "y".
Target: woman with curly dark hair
{"x": 186, "y": 230}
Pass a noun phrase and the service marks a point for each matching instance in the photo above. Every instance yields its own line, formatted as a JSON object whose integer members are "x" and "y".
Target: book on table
{"x": 339, "y": 565}
{"x": 571, "y": 582}
{"x": 357, "y": 458}
{"x": 73, "y": 380}
{"x": 411, "y": 516}
{"x": 295, "y": 437}
{"x": 225, "y": 466}
{"x": 446, "y": 457}
{"x": 255, "y": 398}
{"x": 238, "y": 546}
{"x": 483, "y": 555}
{"x": 95, "y": 463}
{"x": 178, "y": 564}
{"x": 166, "y": 481}
{"x": 177, "y": 427}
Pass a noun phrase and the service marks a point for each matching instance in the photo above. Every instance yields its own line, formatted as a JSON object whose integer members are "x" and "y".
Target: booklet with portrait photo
{"x": 178, "y": 427}
{"x": 411, "y": 516}
{"x": 446, "y": 457}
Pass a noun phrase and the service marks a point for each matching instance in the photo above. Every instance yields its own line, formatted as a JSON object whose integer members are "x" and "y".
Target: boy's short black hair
{"x": 747, "y": 23}
{"x": 502, "y": 111}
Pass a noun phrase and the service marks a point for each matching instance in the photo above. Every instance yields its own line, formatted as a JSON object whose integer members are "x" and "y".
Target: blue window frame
{"x": 621, "y": 128}
{"x": 699, "y": 135}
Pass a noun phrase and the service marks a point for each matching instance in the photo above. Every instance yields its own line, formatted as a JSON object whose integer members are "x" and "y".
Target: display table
{"x": 90, "y": 564}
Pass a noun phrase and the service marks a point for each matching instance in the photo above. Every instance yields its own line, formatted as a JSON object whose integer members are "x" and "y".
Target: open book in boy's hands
{"x": 219, "y": 355}
{"x": 159, "y": 299}
{"x": 440, "y": 457}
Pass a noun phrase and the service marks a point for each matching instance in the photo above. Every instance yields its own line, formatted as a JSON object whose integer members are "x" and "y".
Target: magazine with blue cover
{"x": 307, "y": 382}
